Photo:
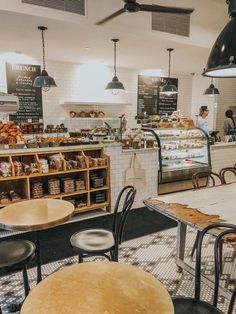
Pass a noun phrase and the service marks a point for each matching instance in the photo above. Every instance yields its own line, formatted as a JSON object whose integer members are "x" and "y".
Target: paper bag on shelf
{"x": 135, "y": 175}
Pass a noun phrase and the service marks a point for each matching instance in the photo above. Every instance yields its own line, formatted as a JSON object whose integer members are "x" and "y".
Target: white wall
{"x": 226, "y": 99}
{"x": 199, "y": 85}
{"x": 72, "y": 87}
{"x": 80, "y": 82}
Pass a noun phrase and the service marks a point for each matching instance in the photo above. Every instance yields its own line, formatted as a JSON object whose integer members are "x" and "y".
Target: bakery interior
{"x": 77, "y": 140}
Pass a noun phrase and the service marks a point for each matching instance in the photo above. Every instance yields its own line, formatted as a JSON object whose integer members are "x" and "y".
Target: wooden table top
{"x": 199, "y": 207}
{"x": 99, "y": 288}
{"x": 35, "y": 214}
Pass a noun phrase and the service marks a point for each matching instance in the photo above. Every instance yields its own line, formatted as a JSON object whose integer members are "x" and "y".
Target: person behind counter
{"x": 202, "y": 121}
{"x": 229, "y": 123}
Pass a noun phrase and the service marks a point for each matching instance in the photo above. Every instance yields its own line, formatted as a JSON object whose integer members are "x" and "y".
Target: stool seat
{"x": 189, "y": 305}
{"x": 93, "y": 240}
{"x": 13, "y": 252}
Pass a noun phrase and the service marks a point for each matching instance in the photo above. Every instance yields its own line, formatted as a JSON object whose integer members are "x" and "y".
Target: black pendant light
{"x": 222, "y": 59}
{"x": 211, "y": 90}
{"x": 115, "y": 85}
{"x": 44, "y": 80}
{"x": 169, "y": 89}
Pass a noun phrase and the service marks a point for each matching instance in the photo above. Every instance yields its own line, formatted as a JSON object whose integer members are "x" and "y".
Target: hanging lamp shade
{"x": 115, "y": 85}
{"x": 44, "y": 80}
{"x": 211, "y": 90}
{"x": 169, "y": 89}
{"x": 222, "y": 59}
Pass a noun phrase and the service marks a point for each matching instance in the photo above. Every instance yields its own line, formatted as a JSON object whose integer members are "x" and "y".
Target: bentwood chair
{"x": 227, "y": 170}
{"x": 101, "y": 242}
{"x": 210, "y": 179}
{"x": 17, "y": 253}
{"x": 184, "y": 305}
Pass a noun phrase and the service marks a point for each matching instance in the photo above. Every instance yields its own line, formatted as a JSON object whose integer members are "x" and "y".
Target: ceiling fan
{"x": 132, "y": 6}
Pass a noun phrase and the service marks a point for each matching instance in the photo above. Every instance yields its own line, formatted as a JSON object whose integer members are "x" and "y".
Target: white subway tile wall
{"x": 226, "y": 99}
{"x": 121, "y": 161}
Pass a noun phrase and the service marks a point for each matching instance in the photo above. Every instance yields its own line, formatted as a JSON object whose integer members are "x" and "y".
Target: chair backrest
{"x": 211, "y": 179}
{"x": 232, "y": 302}
{"x": 227, "y": 170}
{"x": 126, "y": 195}
{"x": 227, "y": 229}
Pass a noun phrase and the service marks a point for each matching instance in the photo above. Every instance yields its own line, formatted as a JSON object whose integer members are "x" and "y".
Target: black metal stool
{"x": 17, "y": 253}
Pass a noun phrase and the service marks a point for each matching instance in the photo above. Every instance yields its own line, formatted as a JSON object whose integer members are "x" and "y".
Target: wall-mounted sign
{"x": 20, "y": 78}
{"x": 149, "y": 98}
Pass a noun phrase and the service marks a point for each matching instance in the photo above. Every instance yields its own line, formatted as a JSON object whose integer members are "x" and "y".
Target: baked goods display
{"x": 57, "y": 186}
{"x": 181, "y": 155}
{"x": 79, "y": 185}
{"x": 96, "y": 162}
{"x": 87, "y": 114}
{"x": 5, "y": 169}
{"x": 136, "y": 139}
{"x": 183, "y": 145}
{"x": 9, "y": 197}
{"x": 37, "y": 190}
{"x": 56, "y": 162}
{"x": 54, "y": 186}
{"x": 10, "y": 133}
{"x": 68, "y": 185}
{"x": 62, "y": 174}
{"x": 50, "y": 128}
{"x": 31, "y": 128}
{"x": 176, "y": 120}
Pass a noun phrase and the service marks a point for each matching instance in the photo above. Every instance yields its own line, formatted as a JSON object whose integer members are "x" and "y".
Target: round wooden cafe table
{"x": 99, "y": 288}
{"x": 35, "y": 215}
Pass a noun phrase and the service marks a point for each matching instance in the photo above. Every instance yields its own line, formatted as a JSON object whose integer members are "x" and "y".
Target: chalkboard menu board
{"x": 20, "y": 79}
{"x": 149, "y": 98}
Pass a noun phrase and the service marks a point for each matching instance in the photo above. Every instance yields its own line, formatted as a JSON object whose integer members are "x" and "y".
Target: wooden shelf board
{"x": 95, "y": 206}
{"x": 100, "y": 189}
{"x": 81, "y": 210}
{"x": 13, "y": 178}
{"x": 36, "y": 175}
{"x": 65, "y": 194}
{"x": 101, "y": 167}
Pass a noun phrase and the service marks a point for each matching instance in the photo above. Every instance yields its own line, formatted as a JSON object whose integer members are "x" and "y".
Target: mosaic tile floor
{"x": 153, "y": 253}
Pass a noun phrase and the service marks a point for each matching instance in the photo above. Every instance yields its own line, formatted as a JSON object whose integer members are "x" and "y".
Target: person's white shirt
{"x": 203, "y": 124}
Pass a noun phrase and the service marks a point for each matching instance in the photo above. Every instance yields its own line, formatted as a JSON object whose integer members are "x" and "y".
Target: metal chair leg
{"x": 195, "y": 244}
{"x": 80, "y": 258}
{"x": 221, "y": 256}
{"x": 25, "y": 280}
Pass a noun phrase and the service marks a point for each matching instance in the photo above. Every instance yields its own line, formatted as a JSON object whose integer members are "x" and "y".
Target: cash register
{"x": 214, "y": 137}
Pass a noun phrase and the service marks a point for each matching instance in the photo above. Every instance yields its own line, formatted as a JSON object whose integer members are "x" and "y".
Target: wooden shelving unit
{"x": 22, "y": 184}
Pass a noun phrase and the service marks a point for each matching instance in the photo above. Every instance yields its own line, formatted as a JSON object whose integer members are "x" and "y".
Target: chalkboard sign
{"x": 149, "y": 98}
{"x": 20, "y": 79}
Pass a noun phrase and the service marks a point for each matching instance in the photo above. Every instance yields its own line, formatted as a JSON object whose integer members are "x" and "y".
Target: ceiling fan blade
{"x": 106, "y": 19}
{"x": 162, "y": 9}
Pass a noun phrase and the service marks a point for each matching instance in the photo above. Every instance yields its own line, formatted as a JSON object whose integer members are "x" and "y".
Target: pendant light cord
{"x": 114, "y": 58}
{"x": 169, "y": 63}
{"x": 43, "y": 47}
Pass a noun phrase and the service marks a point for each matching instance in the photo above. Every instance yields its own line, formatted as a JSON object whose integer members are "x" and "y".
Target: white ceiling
{"x": 69, "y": 34}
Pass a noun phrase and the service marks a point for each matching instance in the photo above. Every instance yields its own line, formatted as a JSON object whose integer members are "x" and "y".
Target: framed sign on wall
{"x": 149, "y": 98}
{"x": 20, "y": 79}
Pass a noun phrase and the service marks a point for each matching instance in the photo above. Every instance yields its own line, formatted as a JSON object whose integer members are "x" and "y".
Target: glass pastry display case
{"x": 182, "y": 152}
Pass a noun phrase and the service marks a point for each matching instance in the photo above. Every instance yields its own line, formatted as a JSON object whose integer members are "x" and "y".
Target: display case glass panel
{"x": 182, "y": 151}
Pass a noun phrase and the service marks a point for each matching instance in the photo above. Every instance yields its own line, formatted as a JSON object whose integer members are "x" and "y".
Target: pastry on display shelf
{"x": 10, "y": 133}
